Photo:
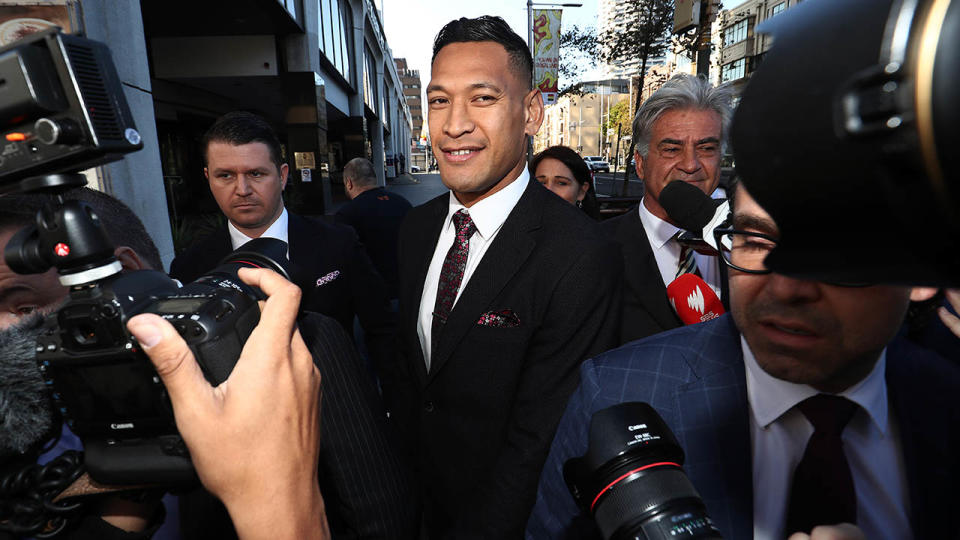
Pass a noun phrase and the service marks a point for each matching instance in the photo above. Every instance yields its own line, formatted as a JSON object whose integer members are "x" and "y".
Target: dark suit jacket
{"x": 339, "y": 279}
{"x": 366, "y": 491}
{"x": 646, "y": 309}
{"x": 480, "y": 422}
{"x": 376, "y": 215}
{"x": 695, "y": 378}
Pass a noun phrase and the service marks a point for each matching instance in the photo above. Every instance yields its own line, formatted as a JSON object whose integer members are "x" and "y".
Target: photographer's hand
{"x": 951, "y": 321}
{"x": 254, "y": 438}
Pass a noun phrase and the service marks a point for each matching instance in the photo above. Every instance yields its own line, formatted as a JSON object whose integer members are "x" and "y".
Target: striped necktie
{"x": 687, "y": 263}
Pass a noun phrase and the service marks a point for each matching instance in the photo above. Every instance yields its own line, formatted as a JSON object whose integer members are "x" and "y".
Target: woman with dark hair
{"x": 563, "y": 171}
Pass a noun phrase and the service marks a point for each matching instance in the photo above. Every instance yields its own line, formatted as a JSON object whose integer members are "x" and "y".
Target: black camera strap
{"x": 28, "y": 497}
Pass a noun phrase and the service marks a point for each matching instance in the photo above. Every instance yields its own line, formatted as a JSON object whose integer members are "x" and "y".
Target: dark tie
{"x": 451, "y": 274}
{"x": 687, "y": 263}
{"x": 822, "y": 492}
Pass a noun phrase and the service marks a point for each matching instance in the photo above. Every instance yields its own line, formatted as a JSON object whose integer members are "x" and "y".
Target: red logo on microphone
{"x": 61, "y": 249}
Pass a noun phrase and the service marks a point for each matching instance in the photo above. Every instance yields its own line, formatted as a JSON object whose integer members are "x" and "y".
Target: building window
{"x": 336, "y": 33}
{"x": 777, "y": 8}
{"x": 735, "y": 33}
{"x": 369, "y": 81}
{"x": 734, "y": 70}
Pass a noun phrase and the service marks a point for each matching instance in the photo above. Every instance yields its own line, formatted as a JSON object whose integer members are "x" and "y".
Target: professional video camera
{"x": 844, "y": 135}
{"x": 62, "y": 109}
{"x": 631, "y": 480}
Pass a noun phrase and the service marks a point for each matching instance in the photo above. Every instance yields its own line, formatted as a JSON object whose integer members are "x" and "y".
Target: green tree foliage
{"x": 578, "y": 54}
{"x": 621, "y": 115}
{"x": 645, "y": 35}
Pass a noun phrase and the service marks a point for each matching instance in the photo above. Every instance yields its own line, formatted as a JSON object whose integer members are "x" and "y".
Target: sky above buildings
{"x": 411, "y": 25}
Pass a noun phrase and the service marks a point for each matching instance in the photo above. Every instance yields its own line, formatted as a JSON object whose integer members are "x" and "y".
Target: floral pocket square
{"x": 504, "y": 318}
{"x": 328, "y": 278}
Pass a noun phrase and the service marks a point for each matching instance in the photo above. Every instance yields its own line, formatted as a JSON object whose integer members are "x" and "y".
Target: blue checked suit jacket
{"x": 694, "y": 377}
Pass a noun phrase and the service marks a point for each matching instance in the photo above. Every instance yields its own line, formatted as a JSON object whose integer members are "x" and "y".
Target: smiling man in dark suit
{"x": 504, "y": 290}
{"x": 798, "y": 408}
{"x": 680, "y": 130}
{"x": 247, "y": 177}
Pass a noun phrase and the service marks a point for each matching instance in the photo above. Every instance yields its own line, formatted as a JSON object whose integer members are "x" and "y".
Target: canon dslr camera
{"x": 62, "y": 109}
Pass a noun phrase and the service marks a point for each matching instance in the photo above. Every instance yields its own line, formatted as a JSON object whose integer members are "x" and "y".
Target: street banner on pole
{"x": 546, "y": 52}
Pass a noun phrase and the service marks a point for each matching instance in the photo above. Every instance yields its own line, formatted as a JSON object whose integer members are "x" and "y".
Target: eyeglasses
{"x": 743, "y": 250}
{"x": 746, "y": 251}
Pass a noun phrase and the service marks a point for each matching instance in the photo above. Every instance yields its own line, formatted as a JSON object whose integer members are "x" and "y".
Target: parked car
{"x": 597, "y": 164}
{"x": 414, "y": 168}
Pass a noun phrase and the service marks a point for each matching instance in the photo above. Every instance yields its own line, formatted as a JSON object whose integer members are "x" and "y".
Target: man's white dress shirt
{"x": 277, "y": 229}
{"x": 779, "y": 434}
{"x": 666, "y": 251}
{"x": 488, "y": 215}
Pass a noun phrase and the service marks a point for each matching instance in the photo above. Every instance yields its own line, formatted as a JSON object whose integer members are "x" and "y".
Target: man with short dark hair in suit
{"x": 798, "y": 408}
{"x": 681, "y": 133}
{"x": 376, "y": 215}
{"x": 247, "y": 177}
{"x": 504, "y": 289}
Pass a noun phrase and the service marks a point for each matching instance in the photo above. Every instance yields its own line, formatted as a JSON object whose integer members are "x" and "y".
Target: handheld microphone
{"x": 694, "y": 300}
{"x": 695, "y": 212}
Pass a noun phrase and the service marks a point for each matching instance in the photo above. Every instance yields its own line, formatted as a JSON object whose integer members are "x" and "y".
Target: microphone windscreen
{"x": 26, "y": 411}
{"x": 688, "y": 207}
{"x": 694, "y": 300}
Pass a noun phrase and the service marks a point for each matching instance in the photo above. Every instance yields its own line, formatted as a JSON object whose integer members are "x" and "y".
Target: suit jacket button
{"x": 428, "y": 406}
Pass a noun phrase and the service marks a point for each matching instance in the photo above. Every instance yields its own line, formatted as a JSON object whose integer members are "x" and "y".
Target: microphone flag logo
{"x": 695, "y": 300}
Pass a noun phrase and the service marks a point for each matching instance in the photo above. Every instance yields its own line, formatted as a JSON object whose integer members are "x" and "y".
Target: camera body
{"x": 105, "y": 386}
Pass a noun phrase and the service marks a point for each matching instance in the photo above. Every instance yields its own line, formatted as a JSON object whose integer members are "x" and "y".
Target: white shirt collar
{"x": 490, "y": 213}
{"x": 277, "y": 229}
{"x": 659, "y": 232}
{"x": 770, "y": 397}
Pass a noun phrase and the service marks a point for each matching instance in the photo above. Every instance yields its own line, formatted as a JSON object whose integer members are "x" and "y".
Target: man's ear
{"x": 920, "y": 294}
{"x": 533, "y": 112}
{"x": 206, "y": 173}
{"x": 129, "y": 259}
{"x": 638, "y": 163}
{"x": 284, "y": 171}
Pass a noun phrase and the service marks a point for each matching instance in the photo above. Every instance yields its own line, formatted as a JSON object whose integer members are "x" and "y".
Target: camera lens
{"x": 631, "y": 478}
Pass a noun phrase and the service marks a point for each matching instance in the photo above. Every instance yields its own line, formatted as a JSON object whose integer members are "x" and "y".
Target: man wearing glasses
{"x": 798, "y": 408}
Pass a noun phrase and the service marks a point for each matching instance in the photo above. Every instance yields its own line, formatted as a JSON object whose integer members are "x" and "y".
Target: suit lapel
{"x": 500, "y": 263}
{"x": 303, "y": 249}
{"x": 219, "y": 246}
{"x": 926, "y": 448}
{"x": 716, "y": 431}
{"x": 419, "y": 252}
{"x": 643, "y": 274}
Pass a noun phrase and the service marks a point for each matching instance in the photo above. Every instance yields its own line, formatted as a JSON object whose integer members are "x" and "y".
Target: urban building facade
{"x": 579, "y": 122}
{"x": 742, "y": 48}
{"x": 613, "y": 17}
{"x": 412, "y": 94}
{"x": 319, "y": 70}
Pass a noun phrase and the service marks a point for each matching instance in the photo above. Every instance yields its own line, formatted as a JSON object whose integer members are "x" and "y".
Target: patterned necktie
{"x": 687, "y": 263}
{"x": 822, "y": 491}
{"x": 451, "y": 274}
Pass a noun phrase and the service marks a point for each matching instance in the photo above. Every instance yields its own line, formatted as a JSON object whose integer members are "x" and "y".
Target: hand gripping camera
{"x": 62, "y": 110}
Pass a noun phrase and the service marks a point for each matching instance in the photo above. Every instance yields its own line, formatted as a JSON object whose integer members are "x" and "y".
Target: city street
{"x": 611, "y": 185}
{"x": 417, "y": 188}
